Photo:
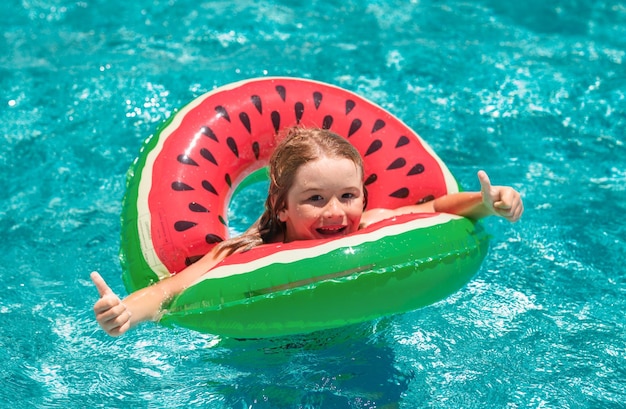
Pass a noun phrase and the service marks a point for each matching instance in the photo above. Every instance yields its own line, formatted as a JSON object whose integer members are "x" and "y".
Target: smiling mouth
{"x": 330, "y": 231}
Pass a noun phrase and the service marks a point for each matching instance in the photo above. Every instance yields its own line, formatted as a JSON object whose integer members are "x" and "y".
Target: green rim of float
{"x": 179, "y": 188}
{"x": 359, "y": 280}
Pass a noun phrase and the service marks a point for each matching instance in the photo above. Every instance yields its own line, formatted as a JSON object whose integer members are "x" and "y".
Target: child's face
{"x": 325, "y": 201}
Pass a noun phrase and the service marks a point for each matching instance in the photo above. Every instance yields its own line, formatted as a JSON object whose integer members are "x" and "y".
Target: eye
{"x": 315, "y": 198}
{"x": 348, "y": 196}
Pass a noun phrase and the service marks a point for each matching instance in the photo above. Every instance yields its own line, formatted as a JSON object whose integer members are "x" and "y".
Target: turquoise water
{"x": 534, "y": 92}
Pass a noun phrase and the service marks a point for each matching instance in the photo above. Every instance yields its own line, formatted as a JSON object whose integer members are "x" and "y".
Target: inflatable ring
{"x": 179, "y": 188}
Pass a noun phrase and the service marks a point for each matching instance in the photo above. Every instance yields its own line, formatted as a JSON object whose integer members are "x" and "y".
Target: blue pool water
{"x": 532, "y": 91}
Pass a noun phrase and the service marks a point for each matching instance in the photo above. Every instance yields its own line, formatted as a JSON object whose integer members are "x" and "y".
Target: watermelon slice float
{"x": 179, "y": 188}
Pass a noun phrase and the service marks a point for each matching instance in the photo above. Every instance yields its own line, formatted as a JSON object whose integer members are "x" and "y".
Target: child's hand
{"x": 503, "y": 201}
{"x": 111, "y": 313}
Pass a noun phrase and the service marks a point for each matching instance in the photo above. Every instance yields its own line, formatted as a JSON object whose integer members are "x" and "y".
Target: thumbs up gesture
{"x": 111, "y": 312}
{"x": 503, "y": 201}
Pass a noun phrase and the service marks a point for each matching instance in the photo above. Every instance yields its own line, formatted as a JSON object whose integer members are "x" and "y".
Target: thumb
{"x": 101, "y": 285}
{"x": 485, "y": 183}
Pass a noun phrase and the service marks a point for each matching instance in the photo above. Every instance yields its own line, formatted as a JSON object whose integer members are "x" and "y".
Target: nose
{"x": 333, "y": 209}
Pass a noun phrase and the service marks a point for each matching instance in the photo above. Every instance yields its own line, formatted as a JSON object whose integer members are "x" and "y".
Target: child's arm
{"x": 117, "y": 316}
{"x": 503, "y": 201}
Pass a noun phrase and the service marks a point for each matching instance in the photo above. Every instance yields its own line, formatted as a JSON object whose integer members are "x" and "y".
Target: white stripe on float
{"x": 289, "y": 256}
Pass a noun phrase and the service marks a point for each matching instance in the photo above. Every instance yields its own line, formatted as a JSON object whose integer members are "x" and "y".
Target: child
{"x": 316, "y": 191}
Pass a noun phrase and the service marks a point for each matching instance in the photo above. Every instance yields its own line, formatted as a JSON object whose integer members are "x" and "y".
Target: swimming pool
{"x": 533, "y": 92}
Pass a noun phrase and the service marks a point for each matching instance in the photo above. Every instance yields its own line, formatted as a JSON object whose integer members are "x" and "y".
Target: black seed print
{"x": 256, "y": 100}
{"x": 192, "y": 259}
{"x": 198, "y": 208}
{"x": 350, "y": 104}
{"x": 275, "y": 120}
{"x": 186, "y": 160}
{"x": 378, "y": 125}
{"x": 181, "y": 187}
{"x": 206, "y": 154}
{"x": 299, "y": 110}
{"x": 208, "y": 132}
{"x": 317, "y": 99}
{"x": 183, "y": 225}
{"x": 212, "y": 238}
{"x": 416, "y": 170}
{"x": 256, "y": 149}
{"x": 403, "y": 140}
{"x": 370, "y": 179}
{"x": 426, "y": 199}
{"x": 245, "y": 120}
{"x": 228, "y": 181}
{"x": 400, "y": 193}
{"x": 354, "y": 126}
{"x": 282, "y": 92}
{"x": 374, "y": 146}
{"x": 398, "y": 163}
{"x": 208, "y": 186}
{"x": 232, "y": 144}
{"x": 327, "y": 122}
{"x": 222, "y": 220}
{"x": 221, "y": 111}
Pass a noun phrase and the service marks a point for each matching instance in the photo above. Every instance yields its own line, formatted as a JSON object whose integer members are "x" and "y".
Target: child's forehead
{"x": 334, "y": 158}
{"x": 325, "y": 161}
{"x": 328, "y": 171}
